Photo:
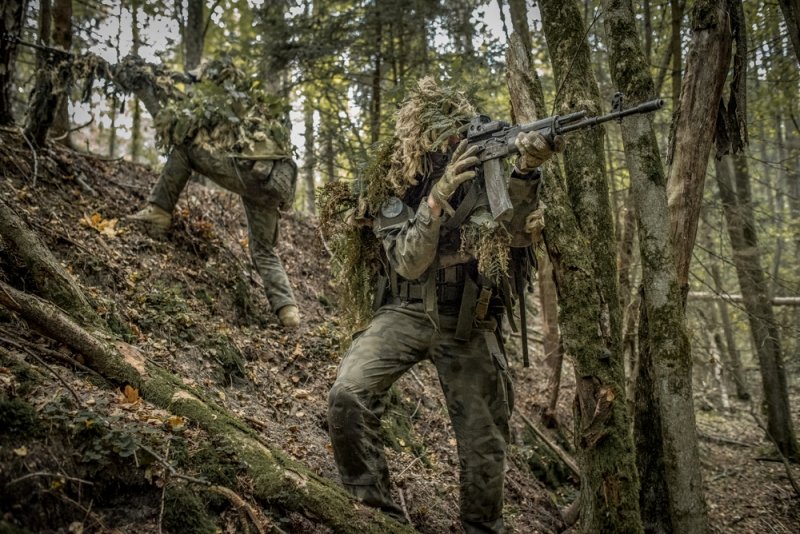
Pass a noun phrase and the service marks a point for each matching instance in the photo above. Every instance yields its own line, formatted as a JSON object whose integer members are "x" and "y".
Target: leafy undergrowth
{"x": 79, "y": 455}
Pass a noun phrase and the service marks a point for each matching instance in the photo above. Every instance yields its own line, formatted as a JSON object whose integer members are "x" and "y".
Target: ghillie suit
{"x": 424, "y": 125}
{"x": 226, "y": 112}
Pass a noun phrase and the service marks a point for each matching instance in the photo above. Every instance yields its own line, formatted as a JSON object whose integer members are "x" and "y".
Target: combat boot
{"x": 289, "y": 316}
{"x": 154, "y": 220}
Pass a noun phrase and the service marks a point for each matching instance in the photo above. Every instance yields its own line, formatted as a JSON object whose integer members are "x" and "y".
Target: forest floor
{"x": 73, "y": 448}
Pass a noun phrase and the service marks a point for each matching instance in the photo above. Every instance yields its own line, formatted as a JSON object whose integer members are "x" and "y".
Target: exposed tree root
{"x": 277, "y": 480}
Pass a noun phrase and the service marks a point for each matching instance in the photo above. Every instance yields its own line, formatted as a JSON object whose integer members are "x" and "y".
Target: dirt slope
{"x": 77, "y": 455}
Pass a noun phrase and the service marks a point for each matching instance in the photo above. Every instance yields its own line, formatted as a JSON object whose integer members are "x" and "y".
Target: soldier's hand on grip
{"x": 458, "y": 171}
{"x": 534, "y": 150}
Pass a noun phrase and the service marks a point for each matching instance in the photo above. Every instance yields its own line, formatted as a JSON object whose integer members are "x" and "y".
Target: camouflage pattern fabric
{"x": 252, "y": 181}
{"x": 474, "y": 378}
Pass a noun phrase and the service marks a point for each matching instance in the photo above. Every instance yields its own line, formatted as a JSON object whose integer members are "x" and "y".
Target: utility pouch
{"x": 380, "y": 292}
{"x": 482, "y": 307}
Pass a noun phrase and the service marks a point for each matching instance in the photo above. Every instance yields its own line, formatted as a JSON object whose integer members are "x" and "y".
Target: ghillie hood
{"x": 426, "y": 120}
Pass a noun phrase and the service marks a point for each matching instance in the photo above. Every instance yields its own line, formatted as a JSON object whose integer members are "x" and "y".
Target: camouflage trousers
{"x": 479, "y": 396}
{"x": 245, "y": 178}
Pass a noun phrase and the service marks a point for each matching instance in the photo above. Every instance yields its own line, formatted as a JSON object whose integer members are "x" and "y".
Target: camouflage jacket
{"x": 416, "y": 243}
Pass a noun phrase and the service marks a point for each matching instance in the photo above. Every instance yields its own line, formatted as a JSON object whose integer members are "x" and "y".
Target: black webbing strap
{"x": 520, "y": 283}
{"x": 466, "y": 313}
{"x": 464, "y": 209}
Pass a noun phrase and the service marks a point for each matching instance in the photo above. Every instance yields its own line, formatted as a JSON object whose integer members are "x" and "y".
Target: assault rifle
{"x": 496, "y": 140}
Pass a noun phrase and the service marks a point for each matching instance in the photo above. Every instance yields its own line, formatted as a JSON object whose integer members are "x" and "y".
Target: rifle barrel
{"x": 644, "y": 107}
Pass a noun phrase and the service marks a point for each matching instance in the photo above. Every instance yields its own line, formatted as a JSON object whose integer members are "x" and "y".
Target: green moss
{"x": 185, "y": 512}
{"x": 17, "y": 417}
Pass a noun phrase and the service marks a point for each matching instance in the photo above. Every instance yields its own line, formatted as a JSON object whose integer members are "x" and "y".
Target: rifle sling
{"x": 468, "y": 203}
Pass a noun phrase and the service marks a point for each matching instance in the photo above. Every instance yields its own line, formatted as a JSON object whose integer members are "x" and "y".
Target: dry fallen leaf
{"x": 22, "y": 451}
{"x": 106, "y": 227}
{"x": 176, "y": 423}
{"x": 131, "y": 395}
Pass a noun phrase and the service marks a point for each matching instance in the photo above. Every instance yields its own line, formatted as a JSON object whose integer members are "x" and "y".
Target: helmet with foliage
{"x": 425, "y": 121}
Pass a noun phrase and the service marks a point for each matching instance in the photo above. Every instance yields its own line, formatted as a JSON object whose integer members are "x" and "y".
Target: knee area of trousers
{"x": 342, "y": 398}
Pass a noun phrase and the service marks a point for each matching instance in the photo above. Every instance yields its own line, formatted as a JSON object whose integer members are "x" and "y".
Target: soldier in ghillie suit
{"x": 442, "y": 272}
{"x": 231, "y": 132}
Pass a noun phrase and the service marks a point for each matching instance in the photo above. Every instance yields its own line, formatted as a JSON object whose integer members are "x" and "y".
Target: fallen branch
{"x": 562, "y": 455}
{"x": 776, "y": 301}
{"x": 786, "y": 466}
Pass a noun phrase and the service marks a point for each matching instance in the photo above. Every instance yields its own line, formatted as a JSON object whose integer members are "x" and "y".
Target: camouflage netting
{"x": 355, "y": 250}
{"x": 488, "y": 242}
{"x": 227, "y": 111}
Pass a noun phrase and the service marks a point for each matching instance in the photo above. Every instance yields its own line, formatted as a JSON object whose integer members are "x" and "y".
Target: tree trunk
{"x": 275, "y": 36}
{"x": 584, "y": 158}
{"x": 666, "y": 351}
{"x": 609, "y": 484}
{"x": 676, "y": 7}
{"x": 11, "y": 15}
{"x": 375, "y": 101}
{"x": 694, "y": 126}
{"x": 52, "y": 80}
{"x": 548, "y": 294}
{"x": 62, "y": 38}
{"x": 193, "y": 35}
{"x": 730, "y": 340}
{"x": 42, "y": 271}
{"x": 136, "y": 110}
{"x": 791, "y": 14}
{"x": 309, "y": 158}
{"x": 734, "y": 187}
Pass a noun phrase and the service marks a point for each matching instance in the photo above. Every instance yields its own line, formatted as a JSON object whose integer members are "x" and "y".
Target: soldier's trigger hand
{"x": 464, "y": 158}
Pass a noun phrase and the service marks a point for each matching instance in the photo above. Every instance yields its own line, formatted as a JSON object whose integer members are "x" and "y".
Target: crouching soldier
{"x": 229, "y": 131}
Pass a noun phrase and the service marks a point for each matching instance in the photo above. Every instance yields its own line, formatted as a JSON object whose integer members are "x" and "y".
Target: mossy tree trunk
{"x": 609, "y": 484}
{"x": 41, "y": 269}
{"x": 276, "y": 480}
{"x": 11, "y": 15}
{"x": 584, "y": 158}
{"x": 52, "y": 80}
{"x": 664, "y": 422}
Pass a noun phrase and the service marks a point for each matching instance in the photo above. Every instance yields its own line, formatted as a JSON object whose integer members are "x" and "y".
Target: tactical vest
{"x": 452, "y": 287}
